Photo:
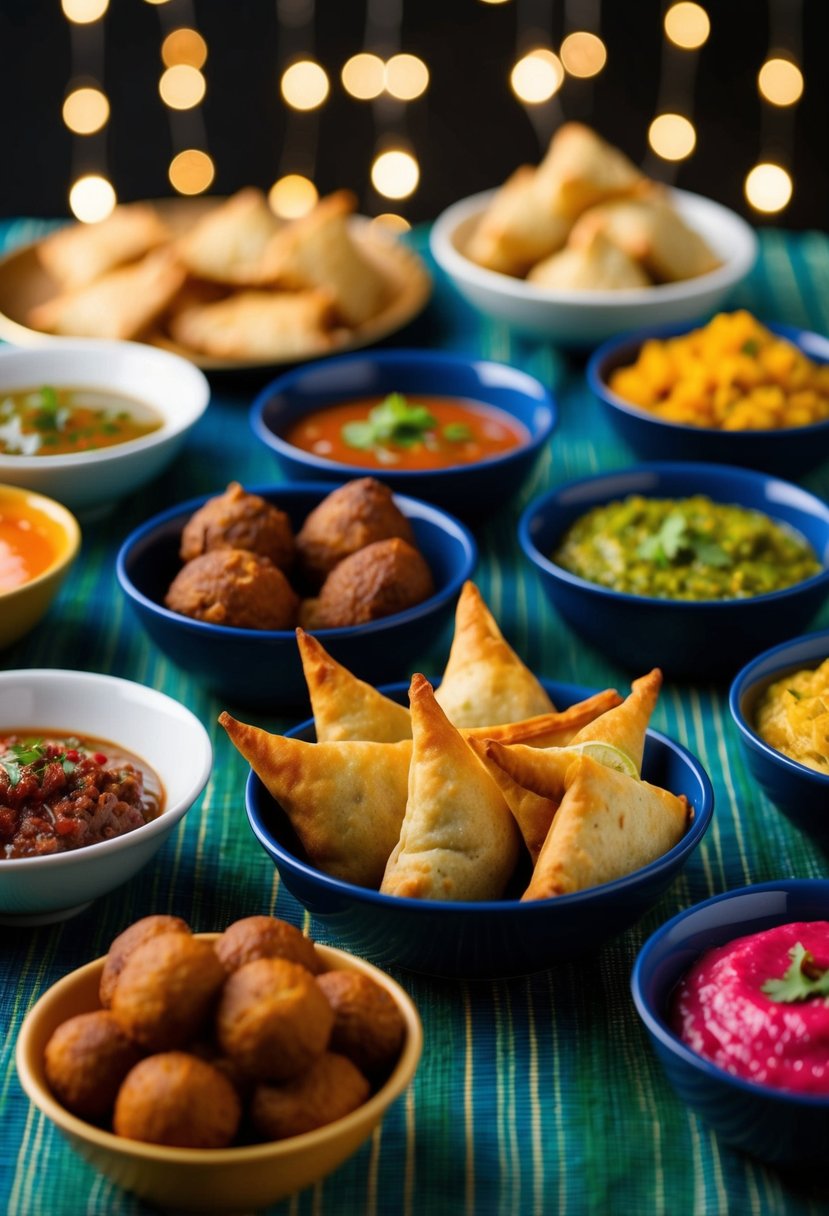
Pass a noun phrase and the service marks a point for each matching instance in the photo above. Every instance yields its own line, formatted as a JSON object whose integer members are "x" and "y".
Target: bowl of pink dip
{"x": 734, "y": 995}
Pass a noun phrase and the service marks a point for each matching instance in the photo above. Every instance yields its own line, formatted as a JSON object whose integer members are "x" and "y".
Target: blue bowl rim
{"x": 693, "y": 835}
{"x": 286, "y": 382}
{"x": 595, "y": 373}
{"x": 434, "y": 515}
{"x": 658, "y": 1028}
{"x": 724, "y": 473}
{"x": 744, "y": 681}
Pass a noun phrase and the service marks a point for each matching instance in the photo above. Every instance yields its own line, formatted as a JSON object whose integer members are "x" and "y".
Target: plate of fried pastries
{"x": 223, "y": 282}
{"x": 498, "y": 824}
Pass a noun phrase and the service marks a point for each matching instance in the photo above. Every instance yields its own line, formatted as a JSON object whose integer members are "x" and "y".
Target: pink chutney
{"x": 720, "y": 1011}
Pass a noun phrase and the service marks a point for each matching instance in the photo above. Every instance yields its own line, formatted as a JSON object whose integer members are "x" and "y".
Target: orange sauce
{"x": 29, "y": 545}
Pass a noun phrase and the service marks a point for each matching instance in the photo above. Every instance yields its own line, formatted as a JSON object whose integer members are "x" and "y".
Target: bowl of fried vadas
{"x": 499, "y": 825}
{"x": 221, "y": 583}
{"x": 584, "y": 246}
{"x": 218, "y": 1071}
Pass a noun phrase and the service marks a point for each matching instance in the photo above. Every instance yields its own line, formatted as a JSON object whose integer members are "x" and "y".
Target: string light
{"x": 182, "y": 87}
{"x": 304, "y": 85}
{"x": 191, "y": 171}
{"x": 583, "y": 54}
{"x": 85, "y": 110}
{"x": 407, "y": 77}
{"x": 687, "y": 25}
{"x": 395, "y": 174}
{"x": 672, "y": 136}
{"x": 364, "y": 76}
{"x": 494, "y": 1}
{"x": 92, "y": 198}
{"x": 391, "y": 222}
{"x": 292, "y": 196}
{"x": 184, "y": 46}
{"x": 768, "y": 187}
{"x": 780, "y": 82}
{"x": 84, "y": 11}
{"x": 537, "y": 76}
{"x": 157, "y": 3}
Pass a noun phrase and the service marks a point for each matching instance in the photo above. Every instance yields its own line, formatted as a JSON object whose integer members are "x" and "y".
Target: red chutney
{"x": 720, "y": 1010}
{"x": 62, "y": 793}
{"x": 465, "y": 432}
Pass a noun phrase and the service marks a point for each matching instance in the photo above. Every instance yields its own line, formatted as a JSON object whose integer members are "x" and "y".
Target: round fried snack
{"x": 388, "y": 576}
{"x": 331, "y": 1088}
{"x": 124, "y": 944}
{"x": 368, "y": 1026}
{"x": 235, "y": 588}
{"x": 86, "y": 1059}
{"x": 351, "y": 517}
{"x": 273, "y": 1021}
{"x": 238, "y": 520}
{"x": 167, "y": 990}
{"x": 266, "y": 937}
{"x": 176, "y": 1099}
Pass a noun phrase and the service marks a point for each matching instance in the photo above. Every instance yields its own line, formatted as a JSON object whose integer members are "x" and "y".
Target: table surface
{"x": 535, "y": 1095}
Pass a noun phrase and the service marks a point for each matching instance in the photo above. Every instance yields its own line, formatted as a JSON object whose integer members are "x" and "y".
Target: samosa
{"x": 345, "y": 707}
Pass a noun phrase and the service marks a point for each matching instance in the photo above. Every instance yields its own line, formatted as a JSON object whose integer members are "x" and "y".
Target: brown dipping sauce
{"x": 60, "y": 792}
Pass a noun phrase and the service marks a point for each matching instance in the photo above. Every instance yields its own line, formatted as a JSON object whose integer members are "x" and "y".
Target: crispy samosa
{"x": 581, "y": 169}
{"x": 518, "y": 228}
{"x": 626, "y": 725}
{"x": 344, "y": 707}
{"x": 228, "y": 244}
{"x": 257, "y": 325}
{"x": 458, "y": 840}
{"x": 81, "y": 253}
{"x": 598, "y": 265}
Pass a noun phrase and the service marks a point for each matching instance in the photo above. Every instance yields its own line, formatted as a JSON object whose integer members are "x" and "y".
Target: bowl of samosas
{"x": 220, "y": 583}
{"x": 218, "y": 1072}
{"x": 497, "y": 826}
{"x": 585, "y": 246}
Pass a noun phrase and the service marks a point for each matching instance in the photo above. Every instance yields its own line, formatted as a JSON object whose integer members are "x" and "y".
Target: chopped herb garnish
{"x": 39, "y": 755}
{"x": 750, "y": 347}
{"x": 802, "y": 979}
{"x": 457, "y": 432}
{"x": 798, "y": 696}
{"x": 395, "y": 420}
{"x": 676, "y": 542}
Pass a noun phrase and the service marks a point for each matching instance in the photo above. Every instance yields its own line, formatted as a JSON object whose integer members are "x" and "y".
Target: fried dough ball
{"x": 266, "y": 937}
{"x": 177, "y": 1099}
{"x": 86, "y": 1060}
{"x": 238, "y": 520}
{"x": 236, "y": 588}
{"x": 167, "y": 990}
{"x": 273, "y": 1021}
{"x": 368, "y": 1026}
{"x": 124, "y": 944}
{"x": 331, "y": 1088}
{"x": 351, "y": 517}
{"x": 388, "y": 576}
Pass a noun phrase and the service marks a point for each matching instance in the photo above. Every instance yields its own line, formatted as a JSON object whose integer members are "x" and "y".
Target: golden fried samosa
{"x": 346, "y": 801}
{"x": 344, "y": 707}
{"x": 608, "y": 824}
{"x": 458, "y": 840}
{"x": 532, "y": 812}
{"x": 228, "y": 244}
{"x": 81, "y": 253}
{"x": 485, "y": 682}
{"x": 257, "y": 325}
{"x": 518, "y": 228}
{"x": 595, "y": 266}
{"x": 625, "y": 726}
{"x": 581, "y": 169}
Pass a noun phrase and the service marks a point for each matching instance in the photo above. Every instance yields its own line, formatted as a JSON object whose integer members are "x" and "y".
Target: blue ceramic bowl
{"x": 470, "y": 491}
{"x": 686, "y": 638}
{"x": 787, "y": 451}
{"x": 262, "y": 667}
{"x": 799, "y": 792}
{"x": 496, "y": 938}
{"x": 777, "y": 1126}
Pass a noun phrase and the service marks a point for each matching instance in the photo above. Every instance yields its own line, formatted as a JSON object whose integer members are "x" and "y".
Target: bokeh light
{"x": 395, "y": 174}
{"x": 364, "y": 76}
{"x": 768, "y": 187}
{"x": 687, "y": 25}
{"x": 292, "y": 196}
{"x": 157, "y": 3}
{"x": 304, "y": 85}
{"x": 184, "y": 46}
{"x": 780, "y": 81}
{"x": 389, "y": 221}
{"x": 537, "y": 76}
{"x": 182, "y": 87}
{"x": 672, "y": 136}
{"x": 583, "y": 54}
{"x": 84, "y": 11}
{"x": 85, "y": 110}
{"x": 92, "y": 198}
{"x": 407, "y": 77}
{"x": 494, "y": 1}
{"x": 191, "y": 172}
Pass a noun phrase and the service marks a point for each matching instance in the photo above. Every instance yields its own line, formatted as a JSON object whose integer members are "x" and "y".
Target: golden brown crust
{"x": 329, "y": 1090}
{"x": 385, "y": 577}
{"x": 348, "y": 519}
{"x": 344, "y": 707}
{"x": 86, "y": 1059}
{"x": 266, "y": 937}
{"x": 167, "y": 990}
{"x": 125, "y": 943}
{"x": 368, "y": 1026}
{"x": 236, "y": 588}
{"x": 177, "y": 1099}
{"x": 237, "y": 519}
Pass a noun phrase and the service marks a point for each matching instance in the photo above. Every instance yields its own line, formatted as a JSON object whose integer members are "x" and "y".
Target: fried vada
{"x": 239, "y": 520}
{"x": 385, "y": 577}
{"x": 128, "y": 941}
{"x": 348, "y": 519}
{"x": 86, "y": 1059}
{"x": 330, "y": 1089}
{"x": 368, "y": 1025}
{"x": 266, "y": 937}
{"x": 235, "y": 588}
{"x": 177, "y": 1099}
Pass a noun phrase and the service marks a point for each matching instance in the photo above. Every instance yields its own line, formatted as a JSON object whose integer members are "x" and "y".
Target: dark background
{"x": 468, "y": 131}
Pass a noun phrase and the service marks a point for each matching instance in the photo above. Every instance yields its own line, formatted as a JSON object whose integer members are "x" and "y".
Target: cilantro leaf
{"x": 395, "y": 420}
{"x": 666, "y": 544}
{"x": 801, "y": 980}
{"x": 457, "y": 432}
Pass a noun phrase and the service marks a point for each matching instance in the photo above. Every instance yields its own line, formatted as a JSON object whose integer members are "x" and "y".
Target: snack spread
{"x": 793, "y": 716}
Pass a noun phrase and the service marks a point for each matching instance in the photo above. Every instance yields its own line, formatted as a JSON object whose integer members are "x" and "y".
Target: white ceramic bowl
{"x": 583, "y": 318}
{"x": 39, "y": 890}
{"x": 92, "y": 482}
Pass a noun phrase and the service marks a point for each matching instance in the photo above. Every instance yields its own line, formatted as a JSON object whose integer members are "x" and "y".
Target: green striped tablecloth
{"x": 538, "y": 1095}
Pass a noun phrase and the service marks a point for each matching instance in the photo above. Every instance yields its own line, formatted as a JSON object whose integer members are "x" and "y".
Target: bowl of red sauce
{"x": 39, "y": 540}
{"x": 460, "y": 432}
{"x": 95, "y": 773}
{"x": 734, "y": 995}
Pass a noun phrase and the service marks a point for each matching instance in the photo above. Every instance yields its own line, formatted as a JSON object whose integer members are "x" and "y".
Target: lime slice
{"x": 608, "y": 754}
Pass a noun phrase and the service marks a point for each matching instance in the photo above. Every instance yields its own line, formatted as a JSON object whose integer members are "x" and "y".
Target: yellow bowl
{"x": 22, "y": 607}
{"x": 230, "y": 1179}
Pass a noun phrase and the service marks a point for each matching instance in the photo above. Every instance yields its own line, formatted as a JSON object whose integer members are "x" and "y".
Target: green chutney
{"x": 684, "y": 549}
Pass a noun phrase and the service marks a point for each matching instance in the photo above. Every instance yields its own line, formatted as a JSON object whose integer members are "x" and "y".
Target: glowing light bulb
{"x": 364, "y": 76}
{"x": 84, "y": 11}
{"x": 537, "y": 77}
{"x": 92, "y": 198}
{"x": 182, "y": 87}
{"x": 304, "y": 85}
{"x": 672, "y": 136}
{"x": 191, "y": 172}
{"x": 292, "y": 196}
{"x": 407, "y": 77}
{"x": 85, "y": 110}
{"x": 780, "y": 81}
{"x": 395, "y": 174}
{"x": 583, "y": 54}
{"x": 768, "y": 187}
{"x": 184, "y": 46}
{"x": 687, "y": 25}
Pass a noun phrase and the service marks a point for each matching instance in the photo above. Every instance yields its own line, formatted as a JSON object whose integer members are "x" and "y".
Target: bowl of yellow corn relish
{"x": 733, "y": 391}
